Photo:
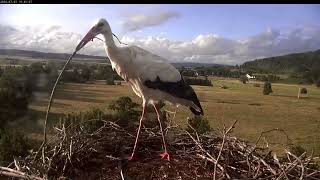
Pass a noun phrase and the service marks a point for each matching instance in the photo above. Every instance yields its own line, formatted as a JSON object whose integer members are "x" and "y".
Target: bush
{"x": 126, "y": 113}
{"x": 267, "y": 89}
{"x": 244, "y": 79}
{"x": 12, "y": 144}
{"x": 303, "y": 91}
{"x": 200, "y": 124}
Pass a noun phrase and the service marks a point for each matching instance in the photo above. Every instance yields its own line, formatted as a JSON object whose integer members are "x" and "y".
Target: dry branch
{"x": 16, "y": 173}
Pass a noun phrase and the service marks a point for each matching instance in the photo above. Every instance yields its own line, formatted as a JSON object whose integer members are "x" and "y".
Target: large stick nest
{"x": 98, "y": 150}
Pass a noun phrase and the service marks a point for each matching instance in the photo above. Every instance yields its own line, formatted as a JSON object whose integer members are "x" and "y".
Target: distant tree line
{"x": 302, "y": 66}
{"x": 198, "y": 81}
{"x": 220, "y": 71}
{"x": 269, "y": 77}
{"x": 81, "y": 73}
{"x": 284, "y": 64}
{"x": 188, "y": 72}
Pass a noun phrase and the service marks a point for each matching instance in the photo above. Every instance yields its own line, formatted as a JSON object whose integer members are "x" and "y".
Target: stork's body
{"x": 150, "y": 76}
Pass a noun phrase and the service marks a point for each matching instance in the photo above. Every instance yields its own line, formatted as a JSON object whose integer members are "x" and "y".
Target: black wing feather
{"x": 178, "y": 89}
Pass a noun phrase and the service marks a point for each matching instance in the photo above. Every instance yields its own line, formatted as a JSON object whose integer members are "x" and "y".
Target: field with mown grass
{"x": 255, "y": 112}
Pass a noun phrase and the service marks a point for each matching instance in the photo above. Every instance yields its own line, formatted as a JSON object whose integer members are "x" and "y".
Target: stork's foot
{"x": 165, "y": 155}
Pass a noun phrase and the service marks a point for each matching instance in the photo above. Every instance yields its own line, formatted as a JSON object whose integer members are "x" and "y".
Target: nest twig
{"x": 97, "y": 149}
{"x": 16, "y": 173}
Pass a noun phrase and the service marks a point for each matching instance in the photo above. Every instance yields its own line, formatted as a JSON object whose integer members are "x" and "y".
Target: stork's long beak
{"x": 88, "y": 37}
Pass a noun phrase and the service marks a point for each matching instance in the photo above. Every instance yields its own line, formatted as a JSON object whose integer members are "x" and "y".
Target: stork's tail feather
{"x": 194, "y": 111}
{"x": 199, "y": 110}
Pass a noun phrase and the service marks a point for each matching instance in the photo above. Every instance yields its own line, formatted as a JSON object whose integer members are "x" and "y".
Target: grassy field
{"x": 255, "y": 112}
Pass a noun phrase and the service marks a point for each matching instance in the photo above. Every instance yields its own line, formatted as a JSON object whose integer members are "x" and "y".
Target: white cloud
{"x": 46, "y": 39}
{"x": 208, "y": 48}
{"x": 211, "y": 48}
{"x": 133, "y": 22}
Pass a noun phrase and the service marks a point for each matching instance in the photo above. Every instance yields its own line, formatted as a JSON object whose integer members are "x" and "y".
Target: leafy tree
{"x": 15, "y": 93}
{"x": 267, "y": 89}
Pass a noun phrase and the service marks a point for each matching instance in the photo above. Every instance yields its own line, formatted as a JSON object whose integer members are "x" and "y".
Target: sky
{"x": 208, "y": 33}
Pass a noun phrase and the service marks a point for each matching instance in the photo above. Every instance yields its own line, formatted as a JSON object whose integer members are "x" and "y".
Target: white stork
{"x": 149, "y": 75}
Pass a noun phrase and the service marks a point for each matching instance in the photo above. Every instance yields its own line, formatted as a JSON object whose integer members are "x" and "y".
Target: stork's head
{"x": 102, "y": 26}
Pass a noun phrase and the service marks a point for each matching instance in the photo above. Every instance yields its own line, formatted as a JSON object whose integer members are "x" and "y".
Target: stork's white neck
{"x": 109, "y": 42}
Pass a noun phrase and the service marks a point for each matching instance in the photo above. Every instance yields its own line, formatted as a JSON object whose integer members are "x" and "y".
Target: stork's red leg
{"x": 164, "y": 155}
{"x": 137, "y": 137}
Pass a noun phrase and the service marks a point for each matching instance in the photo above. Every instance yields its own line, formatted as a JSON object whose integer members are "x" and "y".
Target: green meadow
{"x": 255, "y": 112}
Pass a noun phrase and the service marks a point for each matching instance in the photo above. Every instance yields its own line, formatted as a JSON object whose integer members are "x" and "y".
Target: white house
{"x": 250, "y": 77}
